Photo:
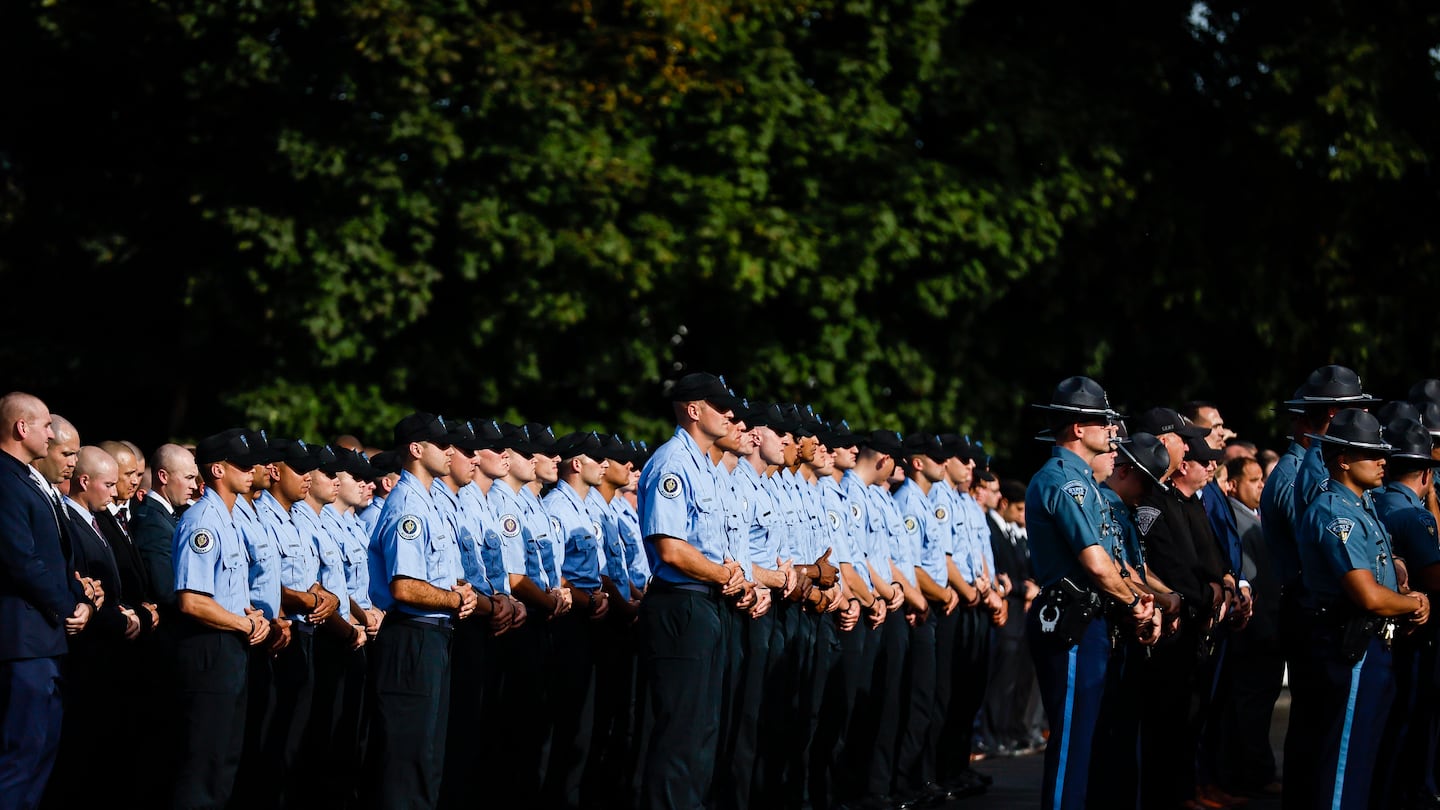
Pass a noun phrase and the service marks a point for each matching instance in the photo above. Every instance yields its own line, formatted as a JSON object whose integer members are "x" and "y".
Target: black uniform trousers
{"x": 294, "y": 671}
{"x": 211, "y": 673}
{"x": 945, "y": 638}
{"x": 606, "y": 781}
{"x": 779, "y": 706}
{"x": 680, "y": 632}
{"x": 1167, "y": 726}
{"x": 910, "y": 757}
{"x": 327, "y": 747}
{"x": 970, "y": 674}
{"x": 573, "y": 705}
{"x": 251, "y": 782}
{"x": 888, "y": 681}
{"x": 858, "y": 649}
{"x": 835, "y": 690}
{"x": 469, "y": 755}
{"x": 732, "y": 676}
{"x": 745, "y": 766}
{"x": 410, "y": 711}
{"x": 524, "y": 654}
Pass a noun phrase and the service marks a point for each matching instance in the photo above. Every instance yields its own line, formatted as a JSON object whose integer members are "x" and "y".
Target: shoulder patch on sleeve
{"x": 1341, "y": 527}
{"x": 941, "y": 513}
{"x": 1325, "y": 485}
{"x": 509, "y": 525}
{"x": 201, "y": 541}
{"x": 911, "y": 524}
{"x": 409, "y": 527}
{"x": 670, "y": 485}
{"x": 1145, "y": 518}
{"x": 1077, "y": 490}
{"x": 834, "y": 518}
{"x": 855, "y": 511}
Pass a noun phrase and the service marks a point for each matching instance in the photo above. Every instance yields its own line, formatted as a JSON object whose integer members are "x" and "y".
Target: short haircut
{"x": 1235, "y": 441}
{"x": 1191, "y": 410}
{"x": 1235, "y": 467}
{"x": 1012, "y": 490}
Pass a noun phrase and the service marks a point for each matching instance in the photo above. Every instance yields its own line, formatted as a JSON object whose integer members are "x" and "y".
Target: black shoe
{"x": 965, "y": 785}
{"x": 985, "y": 779}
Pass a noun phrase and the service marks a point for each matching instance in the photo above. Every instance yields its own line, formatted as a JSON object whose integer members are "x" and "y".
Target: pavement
{"x": 1018, "y": 779}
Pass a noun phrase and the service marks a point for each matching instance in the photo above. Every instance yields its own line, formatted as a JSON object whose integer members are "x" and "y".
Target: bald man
{"x": 152, "y": 521}
{"x": 97, "y": 684}
{"x": 41, "y": 602}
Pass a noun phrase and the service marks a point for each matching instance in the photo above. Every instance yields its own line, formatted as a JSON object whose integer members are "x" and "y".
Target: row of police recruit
{"x": 790, "y": 614}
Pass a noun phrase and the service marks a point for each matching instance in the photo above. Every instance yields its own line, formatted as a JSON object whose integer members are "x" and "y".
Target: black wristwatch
{"x": 1133, "y": 602}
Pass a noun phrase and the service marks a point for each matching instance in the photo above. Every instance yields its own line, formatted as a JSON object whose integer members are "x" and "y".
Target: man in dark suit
{"x": 41, "y": 602}
{"x": 96, "y": 669}
{"x": 151, "y": 526}
{"x": 1257, "y": 662}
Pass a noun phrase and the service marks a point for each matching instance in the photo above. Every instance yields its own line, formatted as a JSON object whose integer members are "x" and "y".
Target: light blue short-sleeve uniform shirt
{"x": 679, "y": 498}
{"x": 263, "y": 551}
{"x": 629, "y": 520}
{"x": 209, "y": 556}
{"x": 583, "y": 565}
{"x": 327, "y": 546}
{"x": 613, "y": 548}
{"x": 411, "y": 540}
{"x": 540, "y": 563}
{"x": 299, "y": 560}
{"x": 930, "y": 534}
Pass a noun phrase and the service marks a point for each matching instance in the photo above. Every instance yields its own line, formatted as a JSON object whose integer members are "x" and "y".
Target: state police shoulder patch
{"x": 1341, "y": 528}
{"x": 855, "y": 511}
{"x": 201, "y": 541}
{"x": 670, "y": 485}
{"x": 1145, "y": 518}
{"x": 409, "y": 527}
{"x": 940, "y": 513}
{"x": 1076, "y": 490}
{"x": 911, "y": 524}
{"x": 834, "y": 518}
{"x": 509, "y": 526}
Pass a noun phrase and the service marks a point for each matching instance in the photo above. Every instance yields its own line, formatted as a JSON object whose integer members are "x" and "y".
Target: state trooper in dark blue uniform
{"x": 1405, "y": 769}
{"x": 1295, "y": 481}
{"x": 1349, "y": 571}
{"x": 683, "y": 526}
{"x": 1069, "y": 638}
{"x": 417, "y": 578}
{"x": 1141, "y": 462}
{"x": 218, "y": 623}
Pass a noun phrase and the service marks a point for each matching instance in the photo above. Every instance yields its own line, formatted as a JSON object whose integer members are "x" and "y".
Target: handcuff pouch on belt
{"x": 1066, "y": 610}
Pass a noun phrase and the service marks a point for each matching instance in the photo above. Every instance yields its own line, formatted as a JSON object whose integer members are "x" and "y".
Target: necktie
{"x": 122, "y": 516}
{"x": 94, "y": 524}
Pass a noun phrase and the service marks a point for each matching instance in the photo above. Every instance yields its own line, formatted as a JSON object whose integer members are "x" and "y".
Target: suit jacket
{"x": 1259, "y": 569}
{"x": 134, "y": 578}
{"x": 1009, "y": 557}
{"x": 95, "y": 558}
{"x": 152, "y": 529}
{"x": 38, "y": 590}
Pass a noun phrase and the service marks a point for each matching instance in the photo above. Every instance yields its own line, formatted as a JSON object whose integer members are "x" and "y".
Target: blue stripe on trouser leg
{"x": 1072, "y": 683}
{"x": 1354, "y": 701}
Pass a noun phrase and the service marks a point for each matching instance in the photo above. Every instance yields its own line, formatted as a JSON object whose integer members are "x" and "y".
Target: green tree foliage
{"x": 316, "y": 216}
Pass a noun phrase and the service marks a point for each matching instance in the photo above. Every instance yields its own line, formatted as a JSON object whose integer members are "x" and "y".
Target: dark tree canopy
{"x": 318, "y": 216}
